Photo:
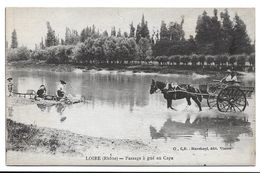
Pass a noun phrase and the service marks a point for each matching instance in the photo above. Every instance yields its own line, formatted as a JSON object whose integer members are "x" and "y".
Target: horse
{"x": 178, "y": 92}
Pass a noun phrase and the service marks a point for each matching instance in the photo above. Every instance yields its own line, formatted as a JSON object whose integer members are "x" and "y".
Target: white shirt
{"x": 61, "y": 87}
{"x": 229, "y": 78}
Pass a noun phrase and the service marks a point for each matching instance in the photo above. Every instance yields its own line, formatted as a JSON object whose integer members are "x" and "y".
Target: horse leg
{"x": 197, "y": 102}
{"x": 188, "y": 100}
{"x": 169, "y": 104}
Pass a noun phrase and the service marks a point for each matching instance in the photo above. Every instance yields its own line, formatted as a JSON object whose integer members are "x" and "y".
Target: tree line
{"x": 217, "y": 42}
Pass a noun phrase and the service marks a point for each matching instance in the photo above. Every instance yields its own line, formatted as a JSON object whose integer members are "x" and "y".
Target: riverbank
{"x": 32, "y": 65}
{"x": 24, "y": 139}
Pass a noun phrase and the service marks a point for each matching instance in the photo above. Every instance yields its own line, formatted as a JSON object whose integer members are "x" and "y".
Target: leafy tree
{"x": 79, "y": 53}
{"x": 203, "y": 29}
{"x": 241, "y": 42}
{"x": 138, "y": 33}
{"x": 125, "y": 34}
{"x": 176, "y": 31}
{"x": 85, "y": 33}
{"x": 105, "y": 33}
{"x": 185, "y": 59}
{"x": 216, "y": 33}
{"x": 110, "y": 49}
{"x": 39, "y": 54}
{"x": 164, "y": 33}
{"x": 232, "y": 59}
{"x": 14, "y": 42}
{"x": 176, "y": 59}
{"x": 133, "y": 49}
{"x": 241, "y": 60}
{"x": 98, "y": 51}
{"x": 208, "y": 32}
{"x": 71, "y": 37}
{"x": 226, "y": 32}
{"x": 119, "y": 33}
{"x": 122, "y": 51}
{"x": 113, "y": 31}
{"x": 144, "y": 48}
{"x": 223, "y": 59}
{"x": 202, "y": 59}
{"x": 252, "y": 59}
{"x": 194, "y": 59}
{"x": 51, "y": 39}
{"x": 142, "y": 30}
{"x": 18, "y": 54}
{"x": 217, "y": 60}
{"x": 132, "y": 30}
{"x": 209, "y": 59}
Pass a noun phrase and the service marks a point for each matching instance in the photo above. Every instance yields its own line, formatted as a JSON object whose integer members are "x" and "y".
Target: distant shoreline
{"x": 30, "y": 65}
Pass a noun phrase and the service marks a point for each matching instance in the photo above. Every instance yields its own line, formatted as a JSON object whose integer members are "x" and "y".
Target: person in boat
{"x": 10, "y": 86}
{"x": 41, "y": 91}
{"x": 61, "y": 90}
{"x": 231, "y": 77}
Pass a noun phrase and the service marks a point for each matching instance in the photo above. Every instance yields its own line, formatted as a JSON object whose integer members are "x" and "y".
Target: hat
{"x": 9, "y": 78}
{"x": 228, "y": 71}
{"x": 62, "y": 82}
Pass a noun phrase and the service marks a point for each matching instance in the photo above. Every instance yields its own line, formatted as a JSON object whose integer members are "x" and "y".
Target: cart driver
{"x": 230, "y": 78}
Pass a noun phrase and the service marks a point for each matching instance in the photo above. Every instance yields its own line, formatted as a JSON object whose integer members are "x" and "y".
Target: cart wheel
{"x": 231, "y": 99}
{"x": 212, "y": 101}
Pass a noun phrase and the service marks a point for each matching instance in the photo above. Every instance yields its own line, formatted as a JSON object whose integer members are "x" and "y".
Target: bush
{"x": 194, "y": 59}
{"x": 223, "y": 59}
{"x": 18, "y": 54}
{"x": 39, "y": 54}
{"x": 232, "y": 59}
{"x": 209, "y": 59}
{"x": 185, "y": 59}
{"x": 241, "y": 60}
{"x": 60, "y": 54}
{"x": 217, "y": 60}
{"x": 202, "y": 59}
{"x": 252, "y": 59}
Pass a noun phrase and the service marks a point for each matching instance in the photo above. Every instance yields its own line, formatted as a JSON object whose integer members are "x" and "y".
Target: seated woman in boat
{"x": 61, "y": 90}
{"x": 41, "y": 91}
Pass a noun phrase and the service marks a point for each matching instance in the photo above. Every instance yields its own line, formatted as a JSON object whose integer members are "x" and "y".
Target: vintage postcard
{"x": 130, "y": 86}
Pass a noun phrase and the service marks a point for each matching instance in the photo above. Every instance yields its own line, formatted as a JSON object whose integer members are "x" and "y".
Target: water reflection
{"x": 59, "y": 107}
{"x": 229, "y": 128}
{"x": 10, "y": 111}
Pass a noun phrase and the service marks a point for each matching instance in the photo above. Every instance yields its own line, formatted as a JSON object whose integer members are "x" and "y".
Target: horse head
{"x": 153, "y": 87}
{"x": 156, "y": 85}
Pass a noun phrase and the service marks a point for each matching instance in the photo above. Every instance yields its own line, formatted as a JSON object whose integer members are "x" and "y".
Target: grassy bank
{"x": 163, "y": 69}
{"x": 29, "y": 138}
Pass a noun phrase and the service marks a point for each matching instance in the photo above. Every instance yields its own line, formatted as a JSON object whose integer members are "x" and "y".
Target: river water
{"x": 120, "y": 106}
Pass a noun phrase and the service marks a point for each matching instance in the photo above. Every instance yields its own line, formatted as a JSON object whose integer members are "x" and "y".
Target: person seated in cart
{"x": 41, "y": 91}
{"x": 60, "y": 93}
{"x": 10, "y": 86}
{"x": 172, "y": 86}
{"x": 231, "y": 78}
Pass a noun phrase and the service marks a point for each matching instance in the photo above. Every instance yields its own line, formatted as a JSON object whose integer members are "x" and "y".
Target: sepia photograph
{"x": 130, "y": 86}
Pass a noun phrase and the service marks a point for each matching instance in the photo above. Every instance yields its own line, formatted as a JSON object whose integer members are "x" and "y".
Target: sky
{"x": 30, "y": 23}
